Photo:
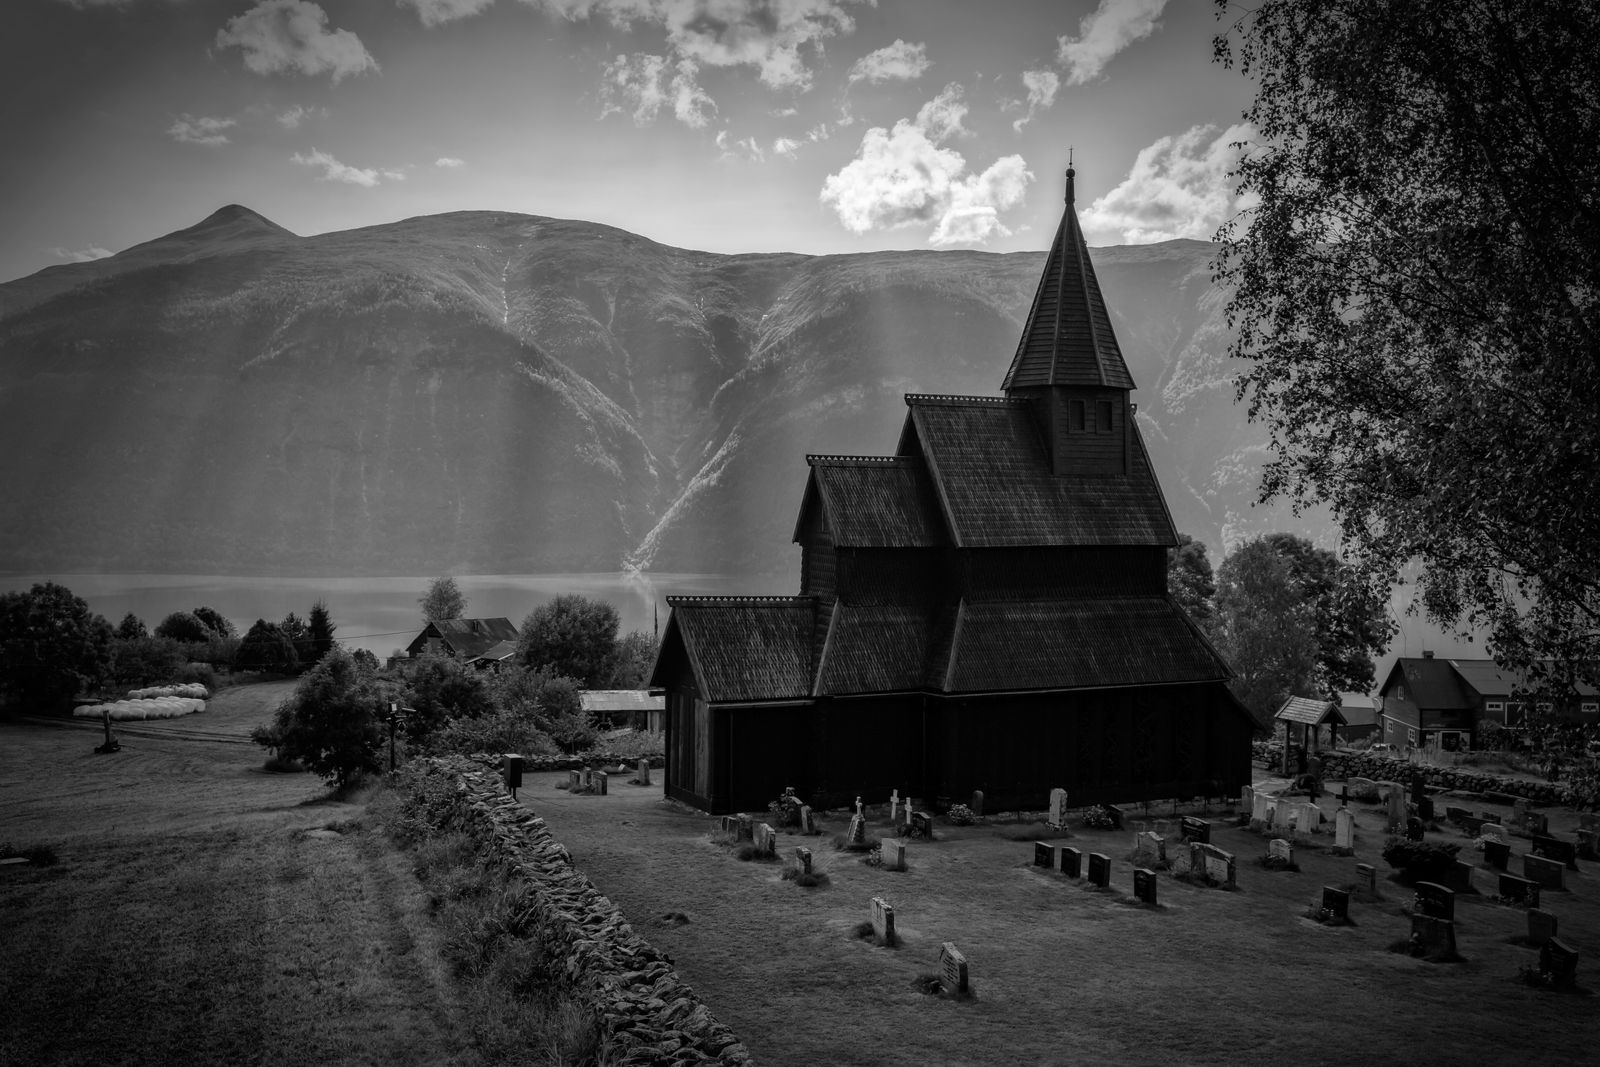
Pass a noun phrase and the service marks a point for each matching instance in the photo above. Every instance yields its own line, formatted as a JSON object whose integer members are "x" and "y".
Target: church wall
{"x": 1001, "y": 573}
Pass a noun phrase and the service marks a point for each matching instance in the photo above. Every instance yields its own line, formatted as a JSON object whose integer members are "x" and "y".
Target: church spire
{"x": 1067, "y": 339}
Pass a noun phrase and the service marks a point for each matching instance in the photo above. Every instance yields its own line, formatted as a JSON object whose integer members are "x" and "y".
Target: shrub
{"x": 1420, "y": 861}
{"x": 960, "y": 815}
{"x": 553, "y": 703}
{"x": 332, "y": 723}
{"x": 266, "y": 648}
{"x": 138, "y": 661}
{"x": 51, "y": 645}
{"x": 500, "y": 730}
{"x": 184, "y": 626}
{"x": 441, "y": 688}
{"x": 572, "y": 635}
{"x": 785, "y": 810}
{"x": 1102, "y": 817}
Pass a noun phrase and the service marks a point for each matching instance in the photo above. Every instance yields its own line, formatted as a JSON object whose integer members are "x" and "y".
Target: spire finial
{"x": 1070, "y": 174}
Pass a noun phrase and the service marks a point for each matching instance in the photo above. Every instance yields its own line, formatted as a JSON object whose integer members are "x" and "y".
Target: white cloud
{"x": 334, "y": 171}
{"x": 201, "y": 130}
{"x": 438, "y": 12}
{"x": 902, "y": 177}
{"x": 293, "y": 35}
{"x": 1104, "y": 32}
{"x": 895, "y": 62}
{"x": 83, "y": 255}
{"x": 785, "y": 146}
{"x": 820, "y": 132}
{"x": 1042, "y": 86}
{"x": 449, "y": 162}
{"x": 747, "y": 147}
{"x": 298, "y": 113}
{"x": 1178, "y": 187}
{"x": 641, "y": 85}
{"x": 395, "y": 175}
{"x": 81, "y": 4}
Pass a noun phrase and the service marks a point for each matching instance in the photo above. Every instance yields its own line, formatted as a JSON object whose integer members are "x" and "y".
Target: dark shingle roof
{"x": 988, "y": 465}
{"x": 1310, "y": 711}
{"x": 1430, "y": 683}
{"x": 1067, "y": 339}
{"x": 875, "y": 501}
{"x": 746, "y": 647}
{"x": 468, "y": 637}
{"x": 498, "y": 651}
{"x": 879, "y": 648}
{"x": 609, "y": 700}
{"x": 1077, "y": 643}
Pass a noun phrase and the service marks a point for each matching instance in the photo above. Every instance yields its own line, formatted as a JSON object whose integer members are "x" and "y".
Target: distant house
{"x": 494, "y": 657}
{"x": 1445, "y": 702}
{"x": 626, "y": 707}
{"x": 467, "y": 639}
{"x": 1360, "y": 713}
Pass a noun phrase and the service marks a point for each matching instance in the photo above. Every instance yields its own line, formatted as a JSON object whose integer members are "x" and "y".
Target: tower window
{"x": 1075, "y": 416}
{"x": 1102, "y": 416}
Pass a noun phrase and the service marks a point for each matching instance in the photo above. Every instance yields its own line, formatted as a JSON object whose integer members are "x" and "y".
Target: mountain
{"x": 498, "y": 393}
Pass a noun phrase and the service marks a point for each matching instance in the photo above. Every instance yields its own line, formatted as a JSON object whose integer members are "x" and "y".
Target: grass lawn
{"x": 1067, "y": 975}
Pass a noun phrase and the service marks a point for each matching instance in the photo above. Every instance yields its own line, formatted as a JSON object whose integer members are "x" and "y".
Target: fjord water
{"x": 380, "y": 614}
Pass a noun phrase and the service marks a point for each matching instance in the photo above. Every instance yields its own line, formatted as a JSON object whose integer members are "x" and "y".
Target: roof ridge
{"x": 836, "y": 459}
{"x": 948, "y": 398}
{"x": 731, "y": 598}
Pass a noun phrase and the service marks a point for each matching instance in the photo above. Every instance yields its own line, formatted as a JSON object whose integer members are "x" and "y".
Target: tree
{"x": 319, "y": 631}
{"x": 551, "y": 702}
{"x": 572, "y": 635}
{"x": 440, "y": 688}
{"x": 1351, "y": 624}
{"x": 366, "y": 659}
{"x": 294, "y": 628}
{"x": 634, "y": 657}
{"x": 1190, "y": 580}
{"x": 1264, "y": 629}
{"x": 332, "y": 722}
{"x": 183, "y": 626}
{"x": 1418, "y": 298}
{"x": 145, "y": 660}
{"x": 266, "y": 648}
{"x": 51, "y": 646}
{"x": 442, "y": 601}
{"x": 131, "y": 628}
{"x": 213, "y": 621}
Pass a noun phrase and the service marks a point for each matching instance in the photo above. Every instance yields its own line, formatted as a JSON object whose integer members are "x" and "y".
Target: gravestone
{"x": 859, "y": 810}
{"x": 730, "y": 825}
{"x": 882, "y": 921}
{"x": 1071, "y": 861}
{"x": 952, "y": 968}
{"x": 1536, "y": 824}
{"x": 1044, "y": 854}
{"x": 1519, "y": 812}
{"x": 575, "y": 781}
{"x": 1414, "y": 828}
{"x": 1471, "y": 825}
{"x": 1560, "y": 962}
{"x": 802, "y": 856}
{"x": 857, "y": 834}
{"x": 1195, "y": 829}
{"x": 1548, "y": 873}
{"x": 1100, "y": 869}
{"x": 1308, "y": 819}
{"x": 1344, "y": 830}
{"x": 1455, "y": 814}
{"x": 1589, "y": 844}
{"x": 1519, "y": 891}
{"x": 1493, "y": 831}
{"x": 1279, "y": 849}
{"x": 1435, "y": 900}
{"x": 1283, "y": 816}
{"x": 808, "y": 822}
{"x": 1397, "y": 808}
{"x": 977, "y": 802}
{"x": 1419, "y": 789}
{"x": 746, "y": 828}
{"x": 1432, "y": 936}
{"x": 643, "y": 772}
{"x": 1216, "y": 863}
{"x": 1554, "y": 848}
{"x": 1489, "y": 816}
{"x": 894, "y": 854}
{"x": 922, "y": 825}
{"x": 1057, "y": 818}
{"x": 1261, "y": 808}
{"x": 1425, "y": 809}
{"x": 1367, "y": 879}
{"x": 1336, "y": 902}
{"x": 1144, "y": 886}
{"x": 1247, "y": 798}
{"x": 1461, "y": 876}
{"x": 1149, "y": 848}
{"x": 766, "y": 840}
{"x": 601, "y": 780}
{"x": 1541, "y": 926}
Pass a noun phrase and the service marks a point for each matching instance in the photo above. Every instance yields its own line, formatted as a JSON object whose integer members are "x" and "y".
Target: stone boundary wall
{"x": 646, "y": 1012}
{"x": 1343, "y": 766}
{"x": 571, "y": 763}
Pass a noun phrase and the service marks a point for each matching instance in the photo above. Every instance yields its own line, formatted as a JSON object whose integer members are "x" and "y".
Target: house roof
{"x": 1067, "y": 339}
{"x": 874, "y": 501}
{"x": 993, "y": 480}
{"x": 745, "y": 648}
{"x": 498, "y": 651}
{"x": 1489, "y": 679}
{"x": 1430, "y": 683}
{"x": 470, "y": 638}
{"x": 609, "y": 700}
{"x": 1358, "y": 709}
{"x": 1310, "y": 711}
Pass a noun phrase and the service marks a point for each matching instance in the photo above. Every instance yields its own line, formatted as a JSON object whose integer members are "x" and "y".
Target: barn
{"x": 986, "y": 608}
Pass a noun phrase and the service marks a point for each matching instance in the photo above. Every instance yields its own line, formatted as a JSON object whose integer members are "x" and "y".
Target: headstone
{"x": 1044, "y": 854}
{"x": 1397, "y": 808}
{"x": 1071, "y": 861}
{"x": 1536, "y": 824}
{"x": 1362, "y": 788}
{"x": 1336, "y": 902}
{"x": 1367, "y": 879}
{"x": 730, "y": 825}
{"x": 1556, "y": 849}
{"x": 857, "y": 834}
{"x": 1216, "y": 863}
{"x": 1461, "y": 876}
{"x": 1414, "y": 828}
{"x": 1057, "y": 818}
{"x": 1455, "y": 814}
{"x": 858, "y": 806}
{"x": 601, "y": 780}
{"x": 1149, "y": 848}
{"x": 1283, "y": 814}
{"x": 1519, "y": 811}
{"x": 765, "y": 839}
{"x": 803, "y": 857}
{"x": 953, "y": 968}
{"x": 1432, "y": 936}
{"x": 1496, "y": 854}
{"x": 894, "y": 854}
{"x": 977, "y": 802}
{"x": 808, "y": 823}
{"x": 1261, "y": 808}
{"x": 1279, "y": 849}
{"x": 1471, "y": 825}
{"x": 1519, "y": 890}
{"x": 922, "y": 825}
{"x": 1548, "y": 873}
{"x": 1435, "y": 900}
{"x": 1144, "y": 886}
{"x": 1589, "y": 844}
{"x": 1344, "y": 829}
{"x": 1247, "y": 799}
{"x": 1425, "y": 809}
{"x": 1100, "y": 869}
{"x": 882, "y": 921}
{"x": 1493, "y": 831}
{"x": 1195, "y": 829}
{"x": 643, "y": 772}
{"x": 1560, "y": 962}
{"x": 1489, "y": 816}
{"x": 1541, "y": 926}
{"x": 1419, "y": 791}
{"x": 575, "y": 781}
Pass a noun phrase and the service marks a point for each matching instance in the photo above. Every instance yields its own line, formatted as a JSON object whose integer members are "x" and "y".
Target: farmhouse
{"x": 1446, "y": 702}
{"x": 490, "y": 640}
{"x": 986, "y": 609}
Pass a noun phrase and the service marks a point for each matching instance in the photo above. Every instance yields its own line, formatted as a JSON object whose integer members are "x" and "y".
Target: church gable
{"x": 742, "y": 648}
{"x": 871, "y": 502}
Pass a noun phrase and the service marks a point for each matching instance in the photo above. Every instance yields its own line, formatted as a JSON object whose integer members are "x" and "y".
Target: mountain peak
{"x": 234, "y": 220}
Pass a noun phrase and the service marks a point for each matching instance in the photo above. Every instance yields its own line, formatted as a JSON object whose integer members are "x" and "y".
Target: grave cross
{"x": 858, "y": 806}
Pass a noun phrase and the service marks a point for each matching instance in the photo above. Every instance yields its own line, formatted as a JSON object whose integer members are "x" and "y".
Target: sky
{"x": 816, "y": 126}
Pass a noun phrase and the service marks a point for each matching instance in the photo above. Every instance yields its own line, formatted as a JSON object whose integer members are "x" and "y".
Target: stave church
{"x": 984, "y": 609}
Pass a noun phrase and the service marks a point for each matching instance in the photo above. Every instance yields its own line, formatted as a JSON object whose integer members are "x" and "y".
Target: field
{"x": 204, "y": 911}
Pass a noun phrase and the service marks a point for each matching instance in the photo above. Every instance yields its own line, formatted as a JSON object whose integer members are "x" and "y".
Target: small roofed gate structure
{"x": 985, "y": 609}
{"x": 1306, "y": 716}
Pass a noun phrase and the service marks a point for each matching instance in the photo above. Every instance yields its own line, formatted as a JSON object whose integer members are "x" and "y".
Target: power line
{"x": 391, "y": 633}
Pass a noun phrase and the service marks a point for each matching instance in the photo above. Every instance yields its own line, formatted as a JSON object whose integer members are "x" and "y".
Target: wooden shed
{"x": 985, "y": 609}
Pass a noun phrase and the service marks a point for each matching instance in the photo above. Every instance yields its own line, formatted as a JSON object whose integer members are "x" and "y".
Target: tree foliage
{"x": 443, "y": 600}
{"x": 551, "y": 702}
{"x": 439, "y": 688}
{"x": 214, "y": 621}
{"x": 1418, "y": 297}
{"x": 294, "y": 628}
{"x": 333, "y": 722}
{"x": 51, "y": 645}
{"x": 319, "y": 631}
{"x": 266, "y": 648}
{"x": 1350, "y": 623}
{"x": 131, "y": 628}
{"x": 1190, "y": 579}
{"x": 184, "y": 626}
{"x": 1265, "y": 629}
{"x": 635, "y": 656}
{"x": 571, "y": 635}
{"x": 140, "y": 661}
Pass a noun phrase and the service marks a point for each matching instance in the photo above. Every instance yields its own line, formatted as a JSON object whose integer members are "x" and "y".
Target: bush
{"x": 184, "y": 626}
{"x": 573, "y": 636}
{"x": 498, "y": 731}
{"x": 51, "y": 645}
{"x": 552, "y": 702}
{"x": 140, "y": 661}
{"x": 1102, "y": 817}
{"x": 960, "y": 815}
{"x": 266, "y": 648}
{"x": 1420, "y": 861}
{"x": 441, "y": 688}
{"x": 332, "y": 723}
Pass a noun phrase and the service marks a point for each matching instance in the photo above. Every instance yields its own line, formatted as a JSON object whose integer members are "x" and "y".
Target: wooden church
{"x": 985, "y": 609}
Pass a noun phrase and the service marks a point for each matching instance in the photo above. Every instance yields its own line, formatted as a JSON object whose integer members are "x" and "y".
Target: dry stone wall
{"x": 646, "y": 1012}
{"x": 1339, "y": 765}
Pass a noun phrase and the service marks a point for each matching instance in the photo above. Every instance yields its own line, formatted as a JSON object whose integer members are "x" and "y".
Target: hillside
{"x": 499, "y": 393}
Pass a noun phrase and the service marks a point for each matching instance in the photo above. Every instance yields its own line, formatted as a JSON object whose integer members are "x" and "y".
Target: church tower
{"x": 1068, "y": 363}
